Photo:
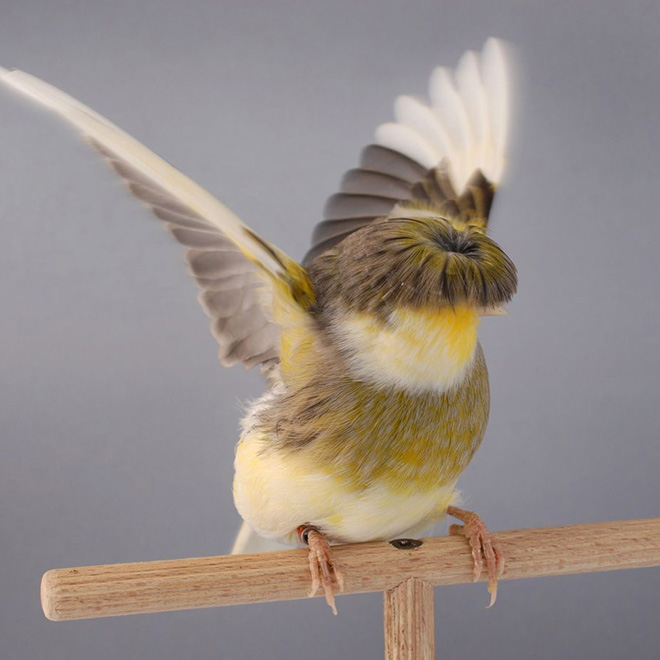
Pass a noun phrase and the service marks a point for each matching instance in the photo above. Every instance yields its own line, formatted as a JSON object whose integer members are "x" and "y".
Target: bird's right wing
{"x": 243, "y": 277}
{"x": 444, "y": 158}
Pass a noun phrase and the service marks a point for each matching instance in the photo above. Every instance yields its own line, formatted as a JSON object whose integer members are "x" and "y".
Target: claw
{"x": 484, "y": 547}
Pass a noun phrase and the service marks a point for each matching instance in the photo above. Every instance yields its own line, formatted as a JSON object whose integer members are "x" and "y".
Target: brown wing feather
{"x": 368, "y": 193}
{"x": 384, "y": 178}
{"x": 232, "y": 294}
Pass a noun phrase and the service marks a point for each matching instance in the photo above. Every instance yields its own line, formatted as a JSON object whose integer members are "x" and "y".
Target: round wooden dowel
{"x": 158, "y": 586}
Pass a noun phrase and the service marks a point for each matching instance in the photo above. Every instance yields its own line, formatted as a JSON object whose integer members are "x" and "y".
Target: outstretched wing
{"x": 443, "y": 158}
{"x": 242, "y": 276}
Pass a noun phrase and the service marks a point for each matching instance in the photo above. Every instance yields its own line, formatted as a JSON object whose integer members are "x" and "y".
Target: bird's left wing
{"x": 242, "y": 276}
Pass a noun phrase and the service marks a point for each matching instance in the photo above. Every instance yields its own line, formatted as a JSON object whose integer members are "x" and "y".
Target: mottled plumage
{"x": 363, "y": 433}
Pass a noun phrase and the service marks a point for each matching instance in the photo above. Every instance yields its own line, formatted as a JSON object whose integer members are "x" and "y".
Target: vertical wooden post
{"x": 408, "y": 619}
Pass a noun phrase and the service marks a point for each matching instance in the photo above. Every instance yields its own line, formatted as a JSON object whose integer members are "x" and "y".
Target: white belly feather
{"x": 275, "y": 493}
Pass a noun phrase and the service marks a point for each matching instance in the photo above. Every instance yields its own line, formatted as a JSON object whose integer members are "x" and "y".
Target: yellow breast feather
{"x": 415, "y": 349}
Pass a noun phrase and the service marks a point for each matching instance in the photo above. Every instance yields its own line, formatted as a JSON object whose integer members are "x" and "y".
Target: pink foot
{"x": 483, "y": 544}
{"x": 321, "y": 565}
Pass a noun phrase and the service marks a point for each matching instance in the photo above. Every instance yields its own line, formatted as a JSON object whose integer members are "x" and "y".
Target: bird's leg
{"x": 321, "y": 564}
{"x": 483, "y": 545}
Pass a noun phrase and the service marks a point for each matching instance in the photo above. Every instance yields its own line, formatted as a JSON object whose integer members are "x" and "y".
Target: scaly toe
{"x": 323, "y": 567}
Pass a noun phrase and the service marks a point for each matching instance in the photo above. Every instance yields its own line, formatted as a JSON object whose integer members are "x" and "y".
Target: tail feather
{"x": 248, "y": 542}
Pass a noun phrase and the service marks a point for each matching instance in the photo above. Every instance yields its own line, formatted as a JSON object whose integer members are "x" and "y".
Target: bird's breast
{"x": 410, "y": 349}
{"x": 365, "y": 433}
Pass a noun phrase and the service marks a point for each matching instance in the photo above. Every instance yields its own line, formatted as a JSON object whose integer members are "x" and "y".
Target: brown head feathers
{"x": 416, "y": 262}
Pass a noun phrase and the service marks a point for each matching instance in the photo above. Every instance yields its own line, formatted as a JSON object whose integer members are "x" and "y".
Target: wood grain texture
{"x": 408, "y": 617}
{"x": 158, "y": 586}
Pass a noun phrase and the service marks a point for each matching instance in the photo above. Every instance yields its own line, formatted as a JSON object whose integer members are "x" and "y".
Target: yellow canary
{"x": 377, "y": 386}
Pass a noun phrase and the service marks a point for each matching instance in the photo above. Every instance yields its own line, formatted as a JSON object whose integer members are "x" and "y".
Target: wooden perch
{"x": 158, "y": 586}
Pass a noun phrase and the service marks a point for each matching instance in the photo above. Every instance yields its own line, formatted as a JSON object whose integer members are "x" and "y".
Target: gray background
{"x": 117, "y": 423}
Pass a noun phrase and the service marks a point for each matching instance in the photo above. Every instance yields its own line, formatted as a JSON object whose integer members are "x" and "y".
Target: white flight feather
{"x": 467, "y": 121}
{"x": 417, "y": 115}
{"x": 159, "y": 171}
{"x": 471, "y": 91}
{"x": 497, "y": 85}
{"x": 409, "y": 142}
{"x": 449, "y": 107}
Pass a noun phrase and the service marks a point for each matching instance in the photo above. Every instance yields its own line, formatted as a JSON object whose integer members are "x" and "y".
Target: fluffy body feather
{"x": 378, "y": 392}
{"x": 359, "y": 460}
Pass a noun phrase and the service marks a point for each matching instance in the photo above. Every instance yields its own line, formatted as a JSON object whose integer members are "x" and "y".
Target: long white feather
{"x": 142, "y": 159}
{"x": 496, "y": 65}
{"x": 471, "y": 91}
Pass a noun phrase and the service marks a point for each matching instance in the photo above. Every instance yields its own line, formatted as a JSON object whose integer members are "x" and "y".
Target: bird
{"x": 377, "y": 392}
